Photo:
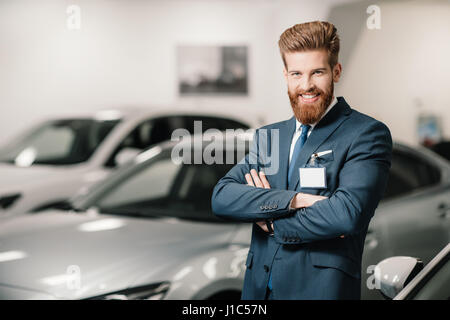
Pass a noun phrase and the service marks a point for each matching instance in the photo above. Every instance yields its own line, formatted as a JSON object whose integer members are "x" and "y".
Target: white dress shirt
{"x": 298, "y": 129}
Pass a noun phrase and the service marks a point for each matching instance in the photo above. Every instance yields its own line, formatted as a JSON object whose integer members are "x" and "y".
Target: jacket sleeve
{"x": 362, "y": 181}
{"x": 233, "y": 199}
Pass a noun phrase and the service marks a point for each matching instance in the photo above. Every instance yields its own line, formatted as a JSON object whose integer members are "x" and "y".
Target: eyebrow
{"x": 317, "y": 69}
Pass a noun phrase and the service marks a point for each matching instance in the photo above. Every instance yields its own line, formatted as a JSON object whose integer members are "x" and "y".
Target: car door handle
{"x": 371, "y": 241}
{"x": 445, "y": 214}
{"x": 444, "y": 211}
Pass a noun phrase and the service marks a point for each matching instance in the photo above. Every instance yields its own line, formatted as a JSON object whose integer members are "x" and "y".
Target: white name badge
{"x": 313, "y": 178}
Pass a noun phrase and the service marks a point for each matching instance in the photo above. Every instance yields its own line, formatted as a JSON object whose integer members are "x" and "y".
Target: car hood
{"x": 14, "y": 178}
{"x": 47, "y": 252}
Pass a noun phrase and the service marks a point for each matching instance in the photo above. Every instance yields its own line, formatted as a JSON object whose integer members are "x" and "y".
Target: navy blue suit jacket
{"x": 306, "y": 256}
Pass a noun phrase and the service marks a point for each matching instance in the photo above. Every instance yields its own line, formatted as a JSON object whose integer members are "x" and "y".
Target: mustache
{"x": 310, "y": 91}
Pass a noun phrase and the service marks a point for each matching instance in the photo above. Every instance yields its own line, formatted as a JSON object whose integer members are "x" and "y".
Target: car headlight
{"x": 156, "y": 291}
{"x": 9, "y": 200}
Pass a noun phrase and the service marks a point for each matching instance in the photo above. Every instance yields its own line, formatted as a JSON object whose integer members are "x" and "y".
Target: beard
{"x": 310, "y": 113}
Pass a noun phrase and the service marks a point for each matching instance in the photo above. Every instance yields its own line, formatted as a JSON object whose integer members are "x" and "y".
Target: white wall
{"x": 392, "y": 71}
{"x": 124, "y": 54}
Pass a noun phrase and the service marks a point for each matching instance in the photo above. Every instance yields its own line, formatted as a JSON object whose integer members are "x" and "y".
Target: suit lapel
{"x": 286, "y": 133}
{"x": 326, "y": 126}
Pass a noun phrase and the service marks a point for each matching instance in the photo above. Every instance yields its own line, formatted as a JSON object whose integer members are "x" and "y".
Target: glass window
{"x": 442, "y": 148}
{"x": 231, "y": 124}
{"x": 152, "y": 183}
{"x": 163, "y": 188}
{"x": 409, "y": 173}
{"x": 213, "y": 123}
{"x": 59, "y": 142}
{"x": 147, "y": 134}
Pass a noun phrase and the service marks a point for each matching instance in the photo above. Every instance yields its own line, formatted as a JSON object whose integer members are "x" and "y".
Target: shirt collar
{"x": 298, "y": 123}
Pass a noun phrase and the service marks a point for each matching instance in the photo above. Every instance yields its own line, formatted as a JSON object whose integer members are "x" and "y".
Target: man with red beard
{"x": 312, "y": 214}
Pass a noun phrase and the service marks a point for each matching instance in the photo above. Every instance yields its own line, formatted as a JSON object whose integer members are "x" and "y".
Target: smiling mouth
{"x": 308, "y": 98}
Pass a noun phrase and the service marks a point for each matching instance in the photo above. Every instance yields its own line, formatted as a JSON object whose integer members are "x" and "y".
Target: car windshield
{"x": 58, "y": 142}
{"x": 164, "y": 188}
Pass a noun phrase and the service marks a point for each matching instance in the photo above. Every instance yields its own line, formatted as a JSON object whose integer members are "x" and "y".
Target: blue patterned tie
{"x": 298, "y": 147}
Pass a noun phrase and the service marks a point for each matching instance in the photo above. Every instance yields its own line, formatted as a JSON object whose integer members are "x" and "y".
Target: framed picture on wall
{"x": 428, "y": 129}
{"x": 212, "y": 70}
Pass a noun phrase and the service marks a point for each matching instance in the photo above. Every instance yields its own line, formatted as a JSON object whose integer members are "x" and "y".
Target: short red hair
{"x": 307, "y": 36}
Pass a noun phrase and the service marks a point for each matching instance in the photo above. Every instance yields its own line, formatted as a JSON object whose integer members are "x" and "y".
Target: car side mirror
{"x": 394, "y": 273}
{"x": 125, "y": 155}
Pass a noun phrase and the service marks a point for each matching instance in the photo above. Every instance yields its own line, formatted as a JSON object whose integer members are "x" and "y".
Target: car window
{"x": 438, "y": 286}
{"x": 163, "y": 128}
{"x": 409, "y": 173}
{"x": 58, "y": 142}
{"x": 442, "y": 148}
{"x": 164, "y": 188}
{"x": 152, "y": 183}
{"x": 213, "y": 123}
{"x": 196, "y": 185}
{"x": 160, "y": 129}
{"x": 231, "y": 124}
{"x": 147, "y": 134}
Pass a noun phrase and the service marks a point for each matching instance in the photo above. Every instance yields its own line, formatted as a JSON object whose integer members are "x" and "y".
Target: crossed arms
{"x": 300, "y": 200}
{"x": 307, "y": 218}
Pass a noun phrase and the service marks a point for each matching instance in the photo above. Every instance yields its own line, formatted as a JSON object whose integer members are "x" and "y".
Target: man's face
{"x": 310, "y": 83}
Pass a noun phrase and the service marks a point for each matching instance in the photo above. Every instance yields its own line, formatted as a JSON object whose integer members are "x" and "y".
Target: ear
{"x": 285, "y": 73}
{"x": 337, "y": 70}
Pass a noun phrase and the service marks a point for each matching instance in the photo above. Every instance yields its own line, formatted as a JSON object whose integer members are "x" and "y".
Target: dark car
{"x": 442, "y": 148}
{"x": 413, "y": 219}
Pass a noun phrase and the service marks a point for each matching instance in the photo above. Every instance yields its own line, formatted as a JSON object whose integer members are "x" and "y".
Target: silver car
{"x": 146, "y": 232}
{"x": 49, "y": 163}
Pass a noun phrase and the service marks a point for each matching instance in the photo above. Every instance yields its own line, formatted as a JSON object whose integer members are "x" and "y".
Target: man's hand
{"x": 301, "y": 200}
{"x": 260, "y": 181}
{"x": 304, "y": 200}
{"x": 262, "y": 225}
{"x": 255, "y": 180}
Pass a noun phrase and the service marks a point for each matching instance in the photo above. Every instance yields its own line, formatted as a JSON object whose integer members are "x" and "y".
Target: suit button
{"x": 266, "y": 268}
